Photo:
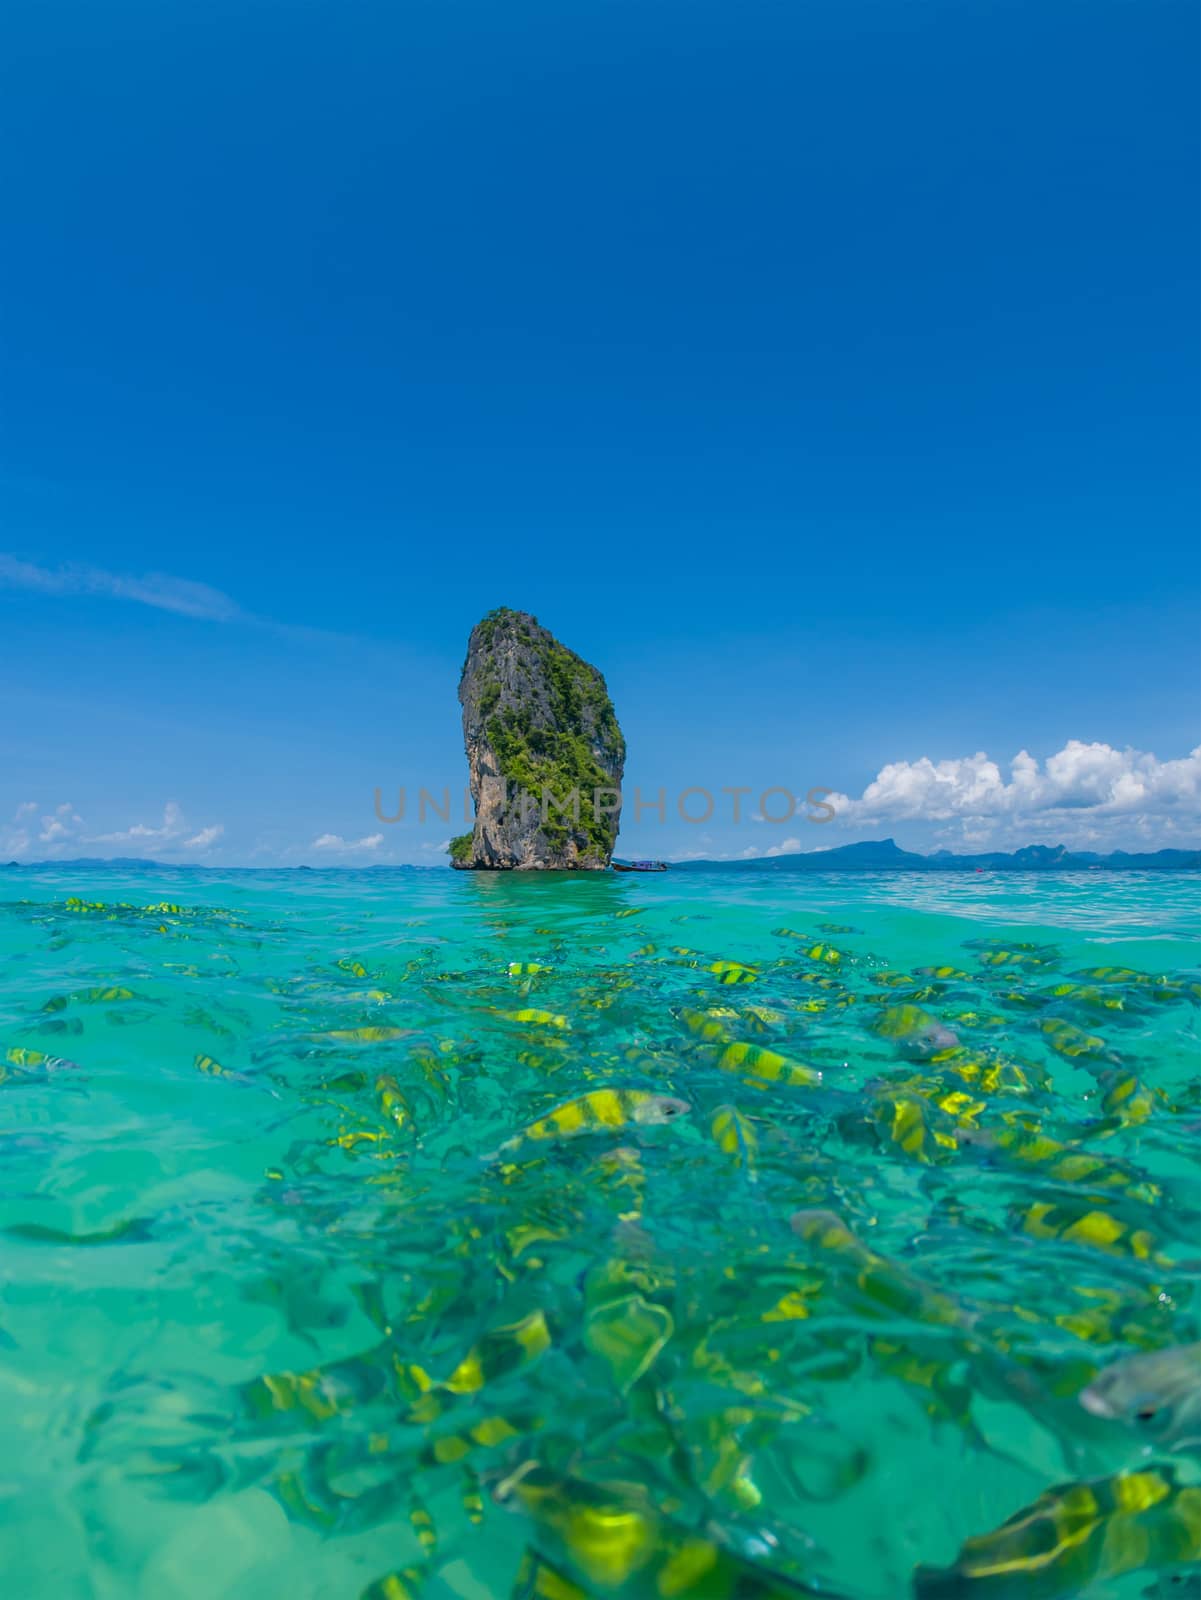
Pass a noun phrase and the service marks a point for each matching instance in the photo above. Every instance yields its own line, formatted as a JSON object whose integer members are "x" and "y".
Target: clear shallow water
{"x": 263, "y": 1278}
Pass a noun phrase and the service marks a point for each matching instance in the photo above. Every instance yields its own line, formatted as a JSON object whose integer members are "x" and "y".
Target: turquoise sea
{"x": 291, "y": 1307}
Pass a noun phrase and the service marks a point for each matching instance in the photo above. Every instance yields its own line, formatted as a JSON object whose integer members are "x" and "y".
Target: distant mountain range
{"x": 871, "y": 855}
{"x": 885, "y": 855}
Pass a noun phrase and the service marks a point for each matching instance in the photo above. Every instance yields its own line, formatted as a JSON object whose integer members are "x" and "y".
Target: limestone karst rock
{"x": 544, "y": 750}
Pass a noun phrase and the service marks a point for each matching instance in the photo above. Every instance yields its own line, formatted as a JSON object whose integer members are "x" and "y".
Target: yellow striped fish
{"x": 1127, "y": 1100}
{"x": 706, "y": 1024}
{"x": 374, "y": 1033}
{"x": 733, "y": 972}
{"x": 357, "y": 1136}
{"x": 472, "y": 1499}
{"x": 1087, "y": 994}
{"x": 875, "y": 1284}
{"x": 210, "y": 1067}
{"x": 423, "y": 1526}
{"x": 540, "y": 1019}
{"x": 1068, "y": 1040}
{"x": 452, "y": 1448}
{"x": 502, "y": 1350}
{"x": 1074, "y": 1535}
{"x": 750, "y": 1059}
{"x": 613, "y": 1537}
{"x": 765, "y": 1014}
{"x": 603, "y": 1108}
{"x": 1081, "y": 1223}
{"x": 404, "y": 1584}
{"x": 734, "y": 1134}
{"x": 916, "y": 1032}
{"x": 393, "y": 1101}
{"x": 989, "y": 1074}
{"x": 20, "y": 1055}
{"x": 537, "y": 1580}
{"x": 979, "y": 1019}
{"x": 954, "y": 1103}
{"x": 1021, "y": 1139}
{"x": 1114, "y": 975}
{"x": 768, "y": 1065}
{"x": 1011, "y": 959}
{"x": 906, "y": 1121}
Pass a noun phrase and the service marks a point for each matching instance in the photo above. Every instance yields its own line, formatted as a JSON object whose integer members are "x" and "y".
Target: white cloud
{"x": 751, "y": 853}
{"x": 205, "y": 838}
{"x": 57, "y": 826}
{"x": 170, "y": 829}
{"x": 788, "y": 847}
{"x": 180, "y": 595}
{"x": 1084, "y": 793}
{"x": 44, "y": 835}
{"x": 436, "y": 849}
{"x": 335, "y": 843}
{"x": 62, "y": 832}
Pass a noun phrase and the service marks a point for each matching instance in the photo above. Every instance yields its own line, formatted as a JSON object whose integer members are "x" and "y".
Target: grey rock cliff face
{"x": 544, "y": 749}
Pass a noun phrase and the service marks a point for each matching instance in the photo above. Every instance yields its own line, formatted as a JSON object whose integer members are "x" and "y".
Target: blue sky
{"x": 825, "y": 372}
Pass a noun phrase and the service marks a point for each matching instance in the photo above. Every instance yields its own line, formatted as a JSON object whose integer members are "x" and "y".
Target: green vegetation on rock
{"x": 547, "y": 718}
{"x": 558, "y": 760}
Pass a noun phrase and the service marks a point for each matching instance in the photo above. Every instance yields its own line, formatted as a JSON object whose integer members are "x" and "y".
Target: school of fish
{"x": 630, "y": 1261}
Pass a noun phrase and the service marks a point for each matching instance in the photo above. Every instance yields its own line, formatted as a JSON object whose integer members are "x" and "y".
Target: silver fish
{"x": 1157, "y": 1395}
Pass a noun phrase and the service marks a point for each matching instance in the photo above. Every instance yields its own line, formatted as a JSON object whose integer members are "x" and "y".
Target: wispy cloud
{"x": 182, "y": 596}
{"x": 337, "y": 845}
{"x": 37, "y": 835}
{"x": 205, "y": 839}
{"x": 171, "y": 827}
{"x": 787, "y": 847}
{"x": 63, "y": 824}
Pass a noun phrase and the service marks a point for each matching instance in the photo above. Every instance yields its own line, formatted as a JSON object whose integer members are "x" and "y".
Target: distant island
{"x": 885, "y": 855}
{"x": 871, "y": 855}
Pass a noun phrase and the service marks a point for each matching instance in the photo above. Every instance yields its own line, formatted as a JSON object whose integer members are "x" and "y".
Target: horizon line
{"x": 1093, "y": 857}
